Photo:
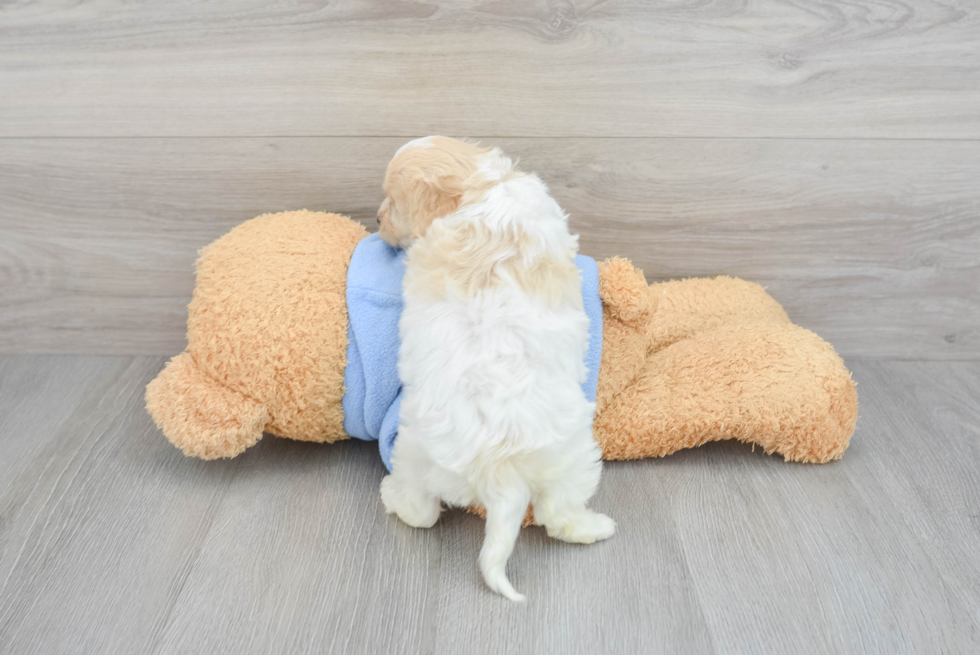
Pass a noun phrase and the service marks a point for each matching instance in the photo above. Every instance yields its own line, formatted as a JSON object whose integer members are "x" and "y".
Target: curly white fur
{"x": 493, "y": 338}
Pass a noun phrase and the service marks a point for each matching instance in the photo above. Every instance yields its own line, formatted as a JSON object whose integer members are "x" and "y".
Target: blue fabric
{"x": 372, "y": 390}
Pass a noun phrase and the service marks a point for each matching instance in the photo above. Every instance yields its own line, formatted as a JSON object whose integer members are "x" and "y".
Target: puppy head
{"x": 424, "y": 181}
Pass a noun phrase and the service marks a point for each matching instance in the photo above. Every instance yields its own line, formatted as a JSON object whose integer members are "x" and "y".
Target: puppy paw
{"x": 413, "y": 507}
{"x": 586, "y": 528}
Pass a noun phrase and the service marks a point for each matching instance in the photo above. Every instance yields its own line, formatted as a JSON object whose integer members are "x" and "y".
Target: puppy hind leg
{"x": 505, "y": 507}
{"x": 404, "y": 492}
{"x": 574, "y": 523}
{"x": 409, "y": 499}
{"x": 560, "y": 505}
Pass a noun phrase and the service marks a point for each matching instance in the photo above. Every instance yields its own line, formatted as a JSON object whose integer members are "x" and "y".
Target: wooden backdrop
{"x": 830, "y": 151}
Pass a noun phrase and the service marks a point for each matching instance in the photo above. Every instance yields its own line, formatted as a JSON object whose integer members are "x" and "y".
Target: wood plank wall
{"x": 829, "y": 151}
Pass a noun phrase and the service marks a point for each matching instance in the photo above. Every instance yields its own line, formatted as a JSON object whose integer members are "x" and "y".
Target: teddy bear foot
{"x": 201, "y": 417}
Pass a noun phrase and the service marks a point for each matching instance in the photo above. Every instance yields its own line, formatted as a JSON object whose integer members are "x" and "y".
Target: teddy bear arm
{"x": 627, "y": 307}
{"x": 640, "y": 319}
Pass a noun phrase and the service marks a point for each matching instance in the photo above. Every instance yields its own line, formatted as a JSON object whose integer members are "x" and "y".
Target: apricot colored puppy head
{"x": 425, "y": 180}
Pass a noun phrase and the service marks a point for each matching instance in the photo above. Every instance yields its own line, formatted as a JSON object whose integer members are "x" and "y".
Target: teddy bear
{"x": 682, "y": 363}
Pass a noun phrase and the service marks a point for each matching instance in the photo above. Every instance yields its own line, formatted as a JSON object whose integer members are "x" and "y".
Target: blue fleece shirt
{"x": 372, "y": 390}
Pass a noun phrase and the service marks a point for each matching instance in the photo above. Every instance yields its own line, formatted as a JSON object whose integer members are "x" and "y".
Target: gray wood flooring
{"x": 112, "y": 541}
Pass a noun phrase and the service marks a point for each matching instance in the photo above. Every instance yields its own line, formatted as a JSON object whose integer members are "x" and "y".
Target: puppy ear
{"x": 434, "y": 196}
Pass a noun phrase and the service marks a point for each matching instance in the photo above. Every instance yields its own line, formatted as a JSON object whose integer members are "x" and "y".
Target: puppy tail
{"x": 506, "y": 505}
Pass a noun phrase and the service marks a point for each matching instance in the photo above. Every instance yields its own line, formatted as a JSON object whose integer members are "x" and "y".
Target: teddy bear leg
{"x": 777, "y": 386}
{"x": 201, "y": 417}
{"x": 687, "y": 307}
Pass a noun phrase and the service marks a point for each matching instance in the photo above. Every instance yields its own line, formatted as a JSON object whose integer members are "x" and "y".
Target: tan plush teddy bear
{"x": 682, "y": 362}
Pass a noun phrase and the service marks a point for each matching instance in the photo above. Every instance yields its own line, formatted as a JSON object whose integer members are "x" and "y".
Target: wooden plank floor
{"x": 111, "y": 541}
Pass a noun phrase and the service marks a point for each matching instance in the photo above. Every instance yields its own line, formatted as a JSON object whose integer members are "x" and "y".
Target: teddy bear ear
{"x": 624, "y": 290}
{"x": 201, "y": 416}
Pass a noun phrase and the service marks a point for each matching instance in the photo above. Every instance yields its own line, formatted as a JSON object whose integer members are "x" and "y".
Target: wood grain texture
{"x": 875, "y": 245}
{"x": 886, "y": 68}
{"x": 98, "y": 539}
{"x": 111, "y": 541}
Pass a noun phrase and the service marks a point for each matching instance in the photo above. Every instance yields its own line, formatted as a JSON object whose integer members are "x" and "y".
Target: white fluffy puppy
{"x": 493, "y": 341}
